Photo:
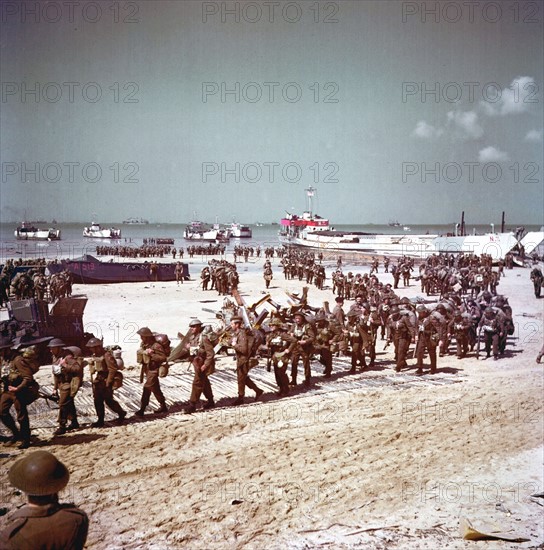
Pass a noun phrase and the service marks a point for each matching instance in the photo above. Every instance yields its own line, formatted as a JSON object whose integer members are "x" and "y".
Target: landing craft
{"x": 309, "y": 230}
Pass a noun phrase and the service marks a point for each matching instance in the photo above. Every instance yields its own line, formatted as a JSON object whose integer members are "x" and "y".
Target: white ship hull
{"x": 96, "y": 232}
{"x": 416, "y": 246}
{"x": 203, "y": 236}
{"x": 34, "y": 234}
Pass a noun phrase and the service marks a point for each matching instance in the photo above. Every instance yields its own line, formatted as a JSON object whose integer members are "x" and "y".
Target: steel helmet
{"x": 94, "y": 343}
{"x": 56, "y": 343}
{"x": 39, "y": 473}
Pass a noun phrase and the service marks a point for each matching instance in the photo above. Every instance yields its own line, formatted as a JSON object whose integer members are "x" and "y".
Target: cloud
{"x": 516, "y": 99}
{"x": 426, "y": 131}
{"x": 534, "y": 136}
{"x": 465, "y": 124}
{"x": 491, "y": 154}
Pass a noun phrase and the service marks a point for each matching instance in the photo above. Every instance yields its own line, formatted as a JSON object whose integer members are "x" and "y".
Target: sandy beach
{"x": 373, "y": 460}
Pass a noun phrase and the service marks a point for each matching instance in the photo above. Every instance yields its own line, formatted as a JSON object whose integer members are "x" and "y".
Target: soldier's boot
{"x": 191, "y": 408}
{"x": 9, "y": 423}
{"x": 98, "y": 424}
{"x": 210, "y": 404}
{"x": 61, "y": 430}
{"x": 163, "y": 409}
{"x": 238, "y": 401}
{"x": 307, "y": 381}
{"x": 121, "y": 417}
{"x": 146, "y": 394}
{"x": 258, "y": 393}
{"x": 433, "y": 370}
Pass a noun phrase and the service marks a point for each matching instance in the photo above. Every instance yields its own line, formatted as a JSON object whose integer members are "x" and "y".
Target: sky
{"x": 174, "y": 110}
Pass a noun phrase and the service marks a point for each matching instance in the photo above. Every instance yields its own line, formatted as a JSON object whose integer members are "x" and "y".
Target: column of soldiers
{"x": 302, "y": 265}
{"x": 294, "y": 337}
{"x": 219, "y": 275}
{"x": 209, "y": 249}
{"x": 142, "y": 251}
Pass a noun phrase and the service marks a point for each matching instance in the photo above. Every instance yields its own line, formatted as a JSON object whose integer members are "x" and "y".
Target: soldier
{"x": 428, "y": 337}
{"x": 338, "y": 311}
{"x": 179, "y": 273}
{"x": 459, "y": 327}
{"x": 323, "y": 342}
{"x": 20, "y": 390}
{"x": 301, "y": 348}
{"x": 386, "y": 264}
{"x": 490, "y": 326}
{"x": 205, "y": 276}
{"x": 278, "y": 342}
{"x": 103, "y": 370}
{"x": 401, "y": 333}
{"x": 151, "y": 355}
{"x": 64, "y": 371}
{"x": 196, "y": 347}
{"x": 241, "y": 343}
{"x": 267, "y": 274}
{"x": 43, "y": 522}
{"x": 356, "y": 340}
{"x": 374, "y": 265}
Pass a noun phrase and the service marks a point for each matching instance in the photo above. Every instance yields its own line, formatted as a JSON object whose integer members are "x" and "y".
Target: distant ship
{"x": 239, "y": 231}
{"x": 135, "y": 221}
{"x": 394, "y": 223}
{"x": 27, "y": 231}
{"x": 97, "y": 232}
{"x": 200, "y": 231}
{"x": 312, "y": 231}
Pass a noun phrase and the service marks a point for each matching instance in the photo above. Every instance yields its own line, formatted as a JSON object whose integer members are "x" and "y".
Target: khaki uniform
{"x": 47, "y": 527}
{"x": 21, "y": 376}
{"x": 199, "y": 348}
{"x": 66, "y": 384}
{"x": 278, "y": 343}
{"x": 104, "y": 369}
{"x": 301, "y": 351}
{"x": 150, "y": 364}
{"x": 241, "y": 345}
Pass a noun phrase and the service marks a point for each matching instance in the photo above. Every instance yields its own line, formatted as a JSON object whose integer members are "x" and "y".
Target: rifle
{"x": 48, "y": 396}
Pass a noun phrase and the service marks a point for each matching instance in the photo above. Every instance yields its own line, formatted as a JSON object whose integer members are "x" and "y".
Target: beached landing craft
{"x": 96, "y": 231}
{"x": 200, "y": 231}
{"x": 27, "y": 231}
{"x": 90, "y": 270}
{"x": 312, "y": 231}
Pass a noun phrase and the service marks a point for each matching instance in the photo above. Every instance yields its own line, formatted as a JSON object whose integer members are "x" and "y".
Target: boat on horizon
{"x": 393, "y": 223}
{"x": 90, "y": 270}
{"x": 28, "y": 231}
{"x": 97, "y": 232}
{"x": 203, "y": 232}
{"x": 312, "y": 231}
{"x": 135, "y": 221}
{"x": 239, "y": 231}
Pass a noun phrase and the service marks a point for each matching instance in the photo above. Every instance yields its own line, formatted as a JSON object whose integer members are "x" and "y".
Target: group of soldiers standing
{"x": 219, "y": 275}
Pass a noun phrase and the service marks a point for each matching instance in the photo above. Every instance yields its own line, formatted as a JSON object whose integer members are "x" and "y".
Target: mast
{"x": 463, "y": 223}
{"x": 502, "y": 223}
{"x": 310, "y": 192}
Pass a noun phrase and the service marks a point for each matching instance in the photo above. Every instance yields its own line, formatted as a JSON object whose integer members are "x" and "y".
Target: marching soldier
{"x": 301, "y": 348}
{"x": 267, "y": 274}
{"x": 278, "y": 342}
{"x": 241, "y": 344}
{"x": 151, "y": 355}
{"x": 103, "y": 370}
{"x": 428, "y": 337}
{"x": 323, "y": 342}
{"x": 356, "y": 339}
{"x": 65, "y": 369}
{"x": 19, "y": 389}
{"x": 491, "y": 328}
{"x": 459, "y": 327}
{"x": 401, "y": 333}
{"x": 197, "y": 347}
{"x": 43, "y": 522}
